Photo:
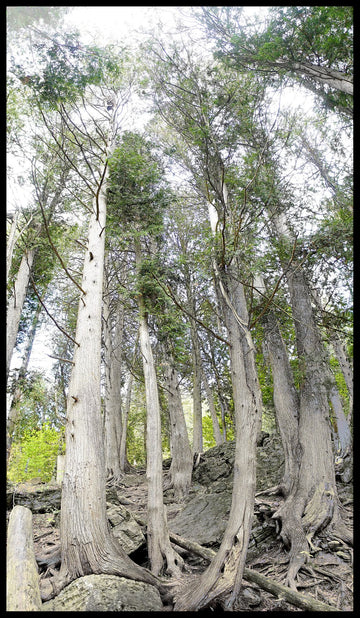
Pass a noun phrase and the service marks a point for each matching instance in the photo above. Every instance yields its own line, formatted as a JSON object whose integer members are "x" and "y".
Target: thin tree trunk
{"x": 182, "y": 459}
{"x": 16, "y": 303}
{"x": 113, "y": 374}
{"x": 197, "y": 408}
{"x": 159, "y": 546}
{"x": 124, "y": 464}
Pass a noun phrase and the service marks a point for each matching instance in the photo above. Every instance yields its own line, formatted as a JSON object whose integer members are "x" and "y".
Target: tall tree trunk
{"x": 113, "y": 374}
{"x": 286, "y": 400}
{"x": 87, "y": 544}
{"x": 224, "y": 574}
{"x": 159, "y": 546}
{"x": 124, "y": 464}
{"x": 16, "y": 303}
{"x": 182, "y": 459}
{"x": 313, "y": 504}
{"x": 197, "y": 408}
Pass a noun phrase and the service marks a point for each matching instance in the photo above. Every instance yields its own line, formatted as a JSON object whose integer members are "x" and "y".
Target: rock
{"x": 204, "y": 518}
{"x": 43, "y": 499}
{"x": 205, "y": 513}
{"x": 216, "y": 465}
{"x": 251, "y": 597}
{"x": 125, "y": 528}
{"x": 107, "y": 593}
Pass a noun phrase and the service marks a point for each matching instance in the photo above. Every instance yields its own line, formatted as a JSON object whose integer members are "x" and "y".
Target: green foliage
{"x": 316, "y": 35}
{"x": 37, "y": 405}
{"x": 137, "y": 194}
{"x": 67, "y": 68}
{"x": 208, "y": 432}
{"x": 35, "y": 454}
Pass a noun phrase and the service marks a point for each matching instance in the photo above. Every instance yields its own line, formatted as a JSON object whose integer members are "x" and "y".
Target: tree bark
{"x": 182, "y": 459}
{"x": 16, "y": 303}
{"x": 113, "y": 373}
{"x": 313, "y": 504}
{"x": 224, "y": 574}
{"x": 22, "y": 579}
{"x": 159, "y": 546}
{"x": 87, "y": 544}
{"x": 286, "y": 400}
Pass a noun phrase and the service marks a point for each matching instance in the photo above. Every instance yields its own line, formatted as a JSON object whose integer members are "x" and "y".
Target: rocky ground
{"x": 202, "y": 518}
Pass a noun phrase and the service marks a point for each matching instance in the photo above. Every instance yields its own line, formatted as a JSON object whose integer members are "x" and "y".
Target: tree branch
{"x": 49, "y": 314}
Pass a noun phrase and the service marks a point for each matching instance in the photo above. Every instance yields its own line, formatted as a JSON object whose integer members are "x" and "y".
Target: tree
{"x": 312, "y": 45}
{"x": 87, "y": 545}
{"x": 195, "y": 121}
{"x": 138, "y": 198}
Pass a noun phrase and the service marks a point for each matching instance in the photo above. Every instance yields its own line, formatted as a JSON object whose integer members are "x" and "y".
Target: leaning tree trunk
{"x": 313, "y": 504}
{"x": 286, "y": 399}
{"x": 16, "y": 303}
{"x": 224, "y": 575}
{"x": 159, "y": 546}
{"x": 182, "y": 459}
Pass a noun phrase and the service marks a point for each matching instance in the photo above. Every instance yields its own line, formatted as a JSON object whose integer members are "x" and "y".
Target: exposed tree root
{"x": 110, "y": 560}
{"x": 293, "y": 597}
{"x": 302, "y": 520}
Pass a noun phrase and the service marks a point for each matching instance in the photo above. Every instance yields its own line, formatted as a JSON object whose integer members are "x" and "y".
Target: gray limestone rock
{"x": 125, "y": 528}
{"x": 105, "y": 593}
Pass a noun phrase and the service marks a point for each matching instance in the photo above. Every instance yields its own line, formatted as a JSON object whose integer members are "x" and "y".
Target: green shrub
{"x": 34, "y": 455}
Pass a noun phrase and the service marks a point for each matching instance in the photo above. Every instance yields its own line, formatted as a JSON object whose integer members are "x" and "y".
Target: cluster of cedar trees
{"x": 211, "y": 114}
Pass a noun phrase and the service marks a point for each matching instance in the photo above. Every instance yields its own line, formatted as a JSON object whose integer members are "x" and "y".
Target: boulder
{"x": 205, "y": 513}
{"x": 216, "y": 465}
{"x": 105, "y": 593}
{"x": 204, "y": 518}
{"x": 125, "y": 528}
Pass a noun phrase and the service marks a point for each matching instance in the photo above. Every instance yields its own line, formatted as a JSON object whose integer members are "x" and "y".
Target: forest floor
{"x": 327, "y": 576}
